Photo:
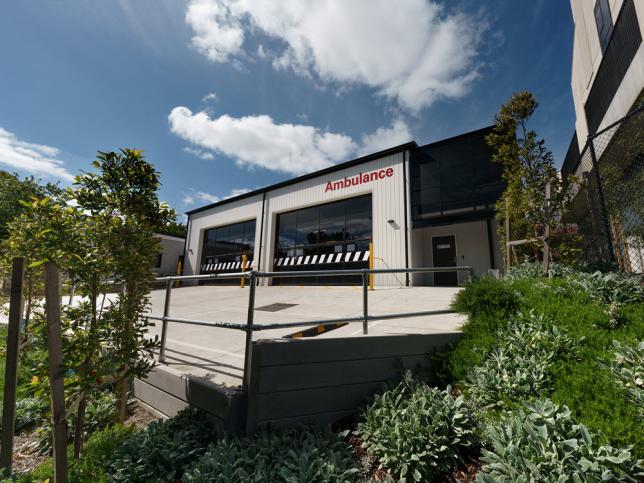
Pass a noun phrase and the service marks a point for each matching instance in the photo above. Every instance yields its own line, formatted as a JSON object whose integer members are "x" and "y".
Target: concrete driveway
{"x": 217, "y": 354}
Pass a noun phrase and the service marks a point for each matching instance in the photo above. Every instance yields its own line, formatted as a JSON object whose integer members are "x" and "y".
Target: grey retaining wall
{"x": 168, "y": 392}
{"x": 324, "y": 380}
{"x": 296, "y": 381}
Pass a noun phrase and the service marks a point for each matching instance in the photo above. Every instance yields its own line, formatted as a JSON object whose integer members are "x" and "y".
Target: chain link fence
{"x": 609, "y": 206}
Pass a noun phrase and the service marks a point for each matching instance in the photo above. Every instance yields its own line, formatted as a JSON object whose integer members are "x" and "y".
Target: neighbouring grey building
{"x": 166, "y": 262}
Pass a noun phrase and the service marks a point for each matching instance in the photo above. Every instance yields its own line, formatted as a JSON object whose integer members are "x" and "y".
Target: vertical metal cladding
{"x": 236, "y": 211}
{"x": 382, "y": 177}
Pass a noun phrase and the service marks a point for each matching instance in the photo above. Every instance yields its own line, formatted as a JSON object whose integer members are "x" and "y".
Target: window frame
{"x": 602, "y": 8}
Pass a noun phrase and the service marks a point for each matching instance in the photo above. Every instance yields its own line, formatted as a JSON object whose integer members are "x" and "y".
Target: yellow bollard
{"x": 371, "y": 265}
{"x": 178, "y": 283}
{"x": 242, "y": 283}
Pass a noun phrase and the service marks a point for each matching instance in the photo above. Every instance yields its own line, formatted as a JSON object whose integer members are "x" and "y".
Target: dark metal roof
{"x": 337, "y": 167}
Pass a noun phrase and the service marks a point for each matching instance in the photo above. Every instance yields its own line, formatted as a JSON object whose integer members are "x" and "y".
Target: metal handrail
{"x": 311, "y": 273}
{"x": 251, "y": 327}
{"x": 208, "y": 276}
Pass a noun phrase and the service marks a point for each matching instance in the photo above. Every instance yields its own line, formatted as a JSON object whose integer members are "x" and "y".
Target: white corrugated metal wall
{"x": 233, "y": 212}
{"x": 387, "y": 204}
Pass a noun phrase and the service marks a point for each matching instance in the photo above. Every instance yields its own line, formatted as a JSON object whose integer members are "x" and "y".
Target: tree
{"x": 103, "y": 227}
{"x": 124, "y": 196}
{"x": 174, "y": 228}
{"x": 528, "y": 170}
{"x": 13, "y": 190}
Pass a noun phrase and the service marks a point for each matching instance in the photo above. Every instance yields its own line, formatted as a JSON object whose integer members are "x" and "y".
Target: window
{"x": 224, "y": 246}
{"x": 157, "y": 261}
{"x": 322, "y": 237}
{"x": 454, "y": 180}
{"x": 604, "y": 23}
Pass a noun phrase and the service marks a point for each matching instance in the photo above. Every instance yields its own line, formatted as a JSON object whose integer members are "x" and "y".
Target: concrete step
{"x": 169, "y": 391}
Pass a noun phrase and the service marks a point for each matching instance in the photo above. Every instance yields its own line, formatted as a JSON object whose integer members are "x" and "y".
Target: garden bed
{"x": 545, "y": 383}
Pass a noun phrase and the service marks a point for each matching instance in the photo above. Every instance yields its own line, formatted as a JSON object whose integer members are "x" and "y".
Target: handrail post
{"x": 166, "y": 314}
{"x": 248, "y": 352}
{"x": 370, "y": 265}
{"x": 365, "y": 301}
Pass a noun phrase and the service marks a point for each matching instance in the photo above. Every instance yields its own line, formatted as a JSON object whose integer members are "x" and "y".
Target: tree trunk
{"x": 122, "y": 398}
{"x": 79, "y": 428}
{"x": 124, "y": 382}
{"x": 28, "y": 307}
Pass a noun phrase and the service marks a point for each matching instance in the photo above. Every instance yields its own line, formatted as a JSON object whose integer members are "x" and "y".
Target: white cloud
{"x": 210, "y": 97}
{"x": 257, "y": 141}
{"x": 385, "y": 137}
{"x": 261, "y": 53}
{"x": 201, "y": 197}
{"x": 218, "y": 33}
{"x": 411, "y": 51}
{"x": 35, "y": 159}
{"x": 199, "y": 153}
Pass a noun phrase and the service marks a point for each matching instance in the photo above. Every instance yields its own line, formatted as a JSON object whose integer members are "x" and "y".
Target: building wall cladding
{"x": 172, "y": 249}
{"x": 388, "y": 203}
{"x": 588, "y": 62}
{"x": 235, "y": 211}
{"x": 472, "y": 248}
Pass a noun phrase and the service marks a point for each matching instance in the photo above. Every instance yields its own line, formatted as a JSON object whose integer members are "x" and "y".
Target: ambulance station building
{"x": 420, "y": 206}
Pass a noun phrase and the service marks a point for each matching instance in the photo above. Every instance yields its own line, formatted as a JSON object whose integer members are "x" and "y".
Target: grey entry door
{"x": 444, "y": 255}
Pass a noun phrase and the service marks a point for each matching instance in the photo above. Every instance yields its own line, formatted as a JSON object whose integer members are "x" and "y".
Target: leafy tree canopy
{"x": 528, "y": 167}
{"x": 13, "y": 190}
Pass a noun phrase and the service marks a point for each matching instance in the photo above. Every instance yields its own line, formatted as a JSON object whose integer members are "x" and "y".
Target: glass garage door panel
{"x": 332, "y": 236}
{"x": 224, "y": 246}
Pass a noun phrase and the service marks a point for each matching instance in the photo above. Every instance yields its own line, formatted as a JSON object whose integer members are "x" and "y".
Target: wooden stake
{"x": 16, "y": 312}
{"x": 546, "y": 233}
{"x": 508, "y": 262}
{"x": 56, "y": 371}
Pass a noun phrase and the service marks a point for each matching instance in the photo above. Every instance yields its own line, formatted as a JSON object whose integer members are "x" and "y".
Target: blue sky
{"x": 231, "y": 96}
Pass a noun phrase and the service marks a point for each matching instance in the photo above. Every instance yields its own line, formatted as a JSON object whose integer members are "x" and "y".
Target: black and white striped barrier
{"x": 210, "y": 267}
{"x": 325, "y": 258}
{"x": 293, "y": 261}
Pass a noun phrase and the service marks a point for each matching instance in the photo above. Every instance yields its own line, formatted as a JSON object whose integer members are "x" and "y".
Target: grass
{"x": 590, "y": 391}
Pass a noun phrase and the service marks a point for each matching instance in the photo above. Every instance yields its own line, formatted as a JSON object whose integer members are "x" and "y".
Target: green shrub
{"x": 91, "y": 466}
{"x": 628, "y": 368}
{"x": 98, "y": 415}
{"x": 29, "y": 412}
{"x": 525, "y": 269}
{"x": 417, "y": 432}
{"x": 301, "y": 455}
{"x": 545, "y": 444}
{"x": 519, "y": 366}
{"x": 594, "y": 396}
{"x": 610, "y": 288}
{"x": 97, "y": 452}
{"x": 533, "y": 270}
{"x": 487, "y": 295}
{"x": 163, "y": 450}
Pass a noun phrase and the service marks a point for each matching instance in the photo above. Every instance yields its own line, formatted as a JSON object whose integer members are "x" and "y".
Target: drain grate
{"x": 275, "y": 307}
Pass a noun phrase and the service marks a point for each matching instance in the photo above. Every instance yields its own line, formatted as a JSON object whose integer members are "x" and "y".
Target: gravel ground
{"x": 26, "y": 457}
